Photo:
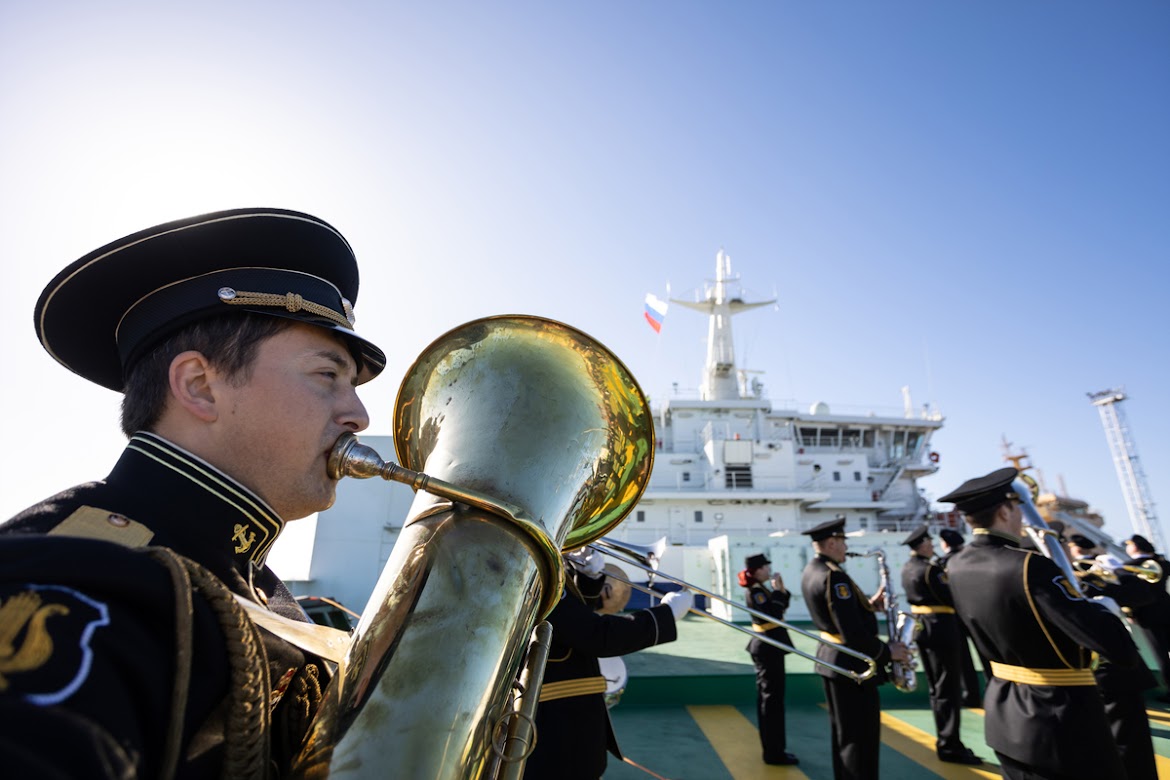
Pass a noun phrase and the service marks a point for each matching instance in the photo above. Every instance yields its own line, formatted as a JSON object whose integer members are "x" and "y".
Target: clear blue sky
{"x": 969, "y": 198}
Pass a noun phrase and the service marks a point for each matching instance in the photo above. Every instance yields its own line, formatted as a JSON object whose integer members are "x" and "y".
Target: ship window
{"x": 857, "y": 476}
{"x": 836, "y": 476}
{"x": 808, "y": 437}
{"x": 867, "y": 439}
{"x": 686, "y": 475}
{"x": 640, "y": 516}
{"x": 829, "y": 437}
{"x": 698, "y": 515}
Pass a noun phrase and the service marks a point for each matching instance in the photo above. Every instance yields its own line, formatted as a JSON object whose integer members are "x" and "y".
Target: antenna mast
{"x": 1129, "y": 470}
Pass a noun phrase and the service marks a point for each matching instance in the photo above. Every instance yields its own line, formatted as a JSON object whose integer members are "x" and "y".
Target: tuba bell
{"x": 522, "y": 437}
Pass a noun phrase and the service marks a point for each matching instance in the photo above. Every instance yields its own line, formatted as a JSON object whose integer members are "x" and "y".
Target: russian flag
{"x": 655, "y": 312}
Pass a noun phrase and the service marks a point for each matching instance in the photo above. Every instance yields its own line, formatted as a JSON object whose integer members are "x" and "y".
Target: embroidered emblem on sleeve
{"x": 1067, "y": 588}
{"x": 759, "y": 598}
{"x": 45, "y": 636}
{"x": 843, "y": 591}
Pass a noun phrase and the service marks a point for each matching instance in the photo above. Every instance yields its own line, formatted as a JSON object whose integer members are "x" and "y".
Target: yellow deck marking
{"x": 735, "y": 742}
{"x": 918, "y": 746}
{"x": 1158, "y": 715}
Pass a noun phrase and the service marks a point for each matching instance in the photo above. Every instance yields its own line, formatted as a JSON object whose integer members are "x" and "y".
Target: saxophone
{"x": 901, "y": 626}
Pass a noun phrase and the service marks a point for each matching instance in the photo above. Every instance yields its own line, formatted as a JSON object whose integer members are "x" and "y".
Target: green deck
{"x": 688, "y": 713}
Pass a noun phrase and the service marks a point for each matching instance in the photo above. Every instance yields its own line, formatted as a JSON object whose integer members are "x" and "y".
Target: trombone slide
{"x": 859, "y": 677}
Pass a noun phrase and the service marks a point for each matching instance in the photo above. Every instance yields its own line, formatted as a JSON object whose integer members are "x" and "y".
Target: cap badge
{"x": 347, "y": 307}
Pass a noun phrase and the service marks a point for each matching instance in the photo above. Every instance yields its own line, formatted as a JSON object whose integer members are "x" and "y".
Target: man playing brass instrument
{"x": 230, "y": 335}
{"x": 1122, "y": 689}
{"x": 573, "y": 729}
{"x": 1044, "y": 716}
{"x": 929, "y": 596}
{"x": 846, "y": 617}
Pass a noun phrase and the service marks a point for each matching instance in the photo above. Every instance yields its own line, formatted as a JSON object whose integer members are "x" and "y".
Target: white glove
{"x": 1110, "y": 562}
{"x": 679, "y": 602}
{"x": 587, "y": 561}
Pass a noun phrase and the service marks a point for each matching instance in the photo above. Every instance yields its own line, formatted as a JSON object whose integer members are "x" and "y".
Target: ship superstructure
{"x": 733, "y": 475}
{"x": 729, "y": 462}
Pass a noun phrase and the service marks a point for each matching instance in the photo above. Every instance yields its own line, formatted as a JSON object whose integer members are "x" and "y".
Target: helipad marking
{"x": 918, "y": 746}
{"x": 728, "y": 731}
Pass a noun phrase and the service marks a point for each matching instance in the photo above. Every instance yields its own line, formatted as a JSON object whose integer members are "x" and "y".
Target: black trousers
{"x": 770, "y": 681}
{"x": 939, "y": 643}
{"x": 1014, "y": 770}
{"x": 855, "y": 712}
{"x": 1126, "y": 711}
{"x": 972, "y": 693}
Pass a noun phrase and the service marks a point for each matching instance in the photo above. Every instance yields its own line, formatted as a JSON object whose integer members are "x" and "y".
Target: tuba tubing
{"x": 508, "y": 418}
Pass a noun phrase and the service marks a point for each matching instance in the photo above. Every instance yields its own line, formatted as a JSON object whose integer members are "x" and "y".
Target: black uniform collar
{"x": 200, "y": 511}
{"x": 988, "y": 536}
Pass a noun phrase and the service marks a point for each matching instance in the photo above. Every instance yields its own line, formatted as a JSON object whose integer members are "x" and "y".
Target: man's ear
{"x": 191, "y": 383}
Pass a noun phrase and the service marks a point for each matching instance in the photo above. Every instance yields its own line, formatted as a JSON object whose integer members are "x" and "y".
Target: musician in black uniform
{"x": 1044, "y": 717}
{"x": 573, "y": 729}
{"x": 1152, "y": 613}
{"x": 230, "y": 336}
{"x": 1122, "y": 689}
{"x": 845, "y": 616}
{"x": 766, "y": 593}
{"x": 925, "y": 586}
{"x": 952, "y": 543}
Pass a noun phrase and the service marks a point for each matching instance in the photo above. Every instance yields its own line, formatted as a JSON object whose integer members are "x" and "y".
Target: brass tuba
{"x": 533, "y": 438}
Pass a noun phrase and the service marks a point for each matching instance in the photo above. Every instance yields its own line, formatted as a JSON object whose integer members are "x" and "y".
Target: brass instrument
{"x": 521, "y": 436}
{"x": 1049, "y": 544}
{"x": 901, "y": 626}
{"x": 1149, "y": 570}
{"x": 637, "y": 556}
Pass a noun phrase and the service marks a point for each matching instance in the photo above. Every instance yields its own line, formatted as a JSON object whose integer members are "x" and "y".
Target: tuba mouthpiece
{"x": 350, "y": 458}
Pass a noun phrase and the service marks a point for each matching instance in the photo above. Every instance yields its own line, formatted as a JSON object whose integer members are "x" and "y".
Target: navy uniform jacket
{"x": 925, "y": 583}
{"x": 1019, "y": 609}
{"x": 573, "y": 730}
{"x": 838, "y": 607}
{"x": 1149, "y": 603}
{"x": 107, "y": 684}
{"x": 770, "y": 602}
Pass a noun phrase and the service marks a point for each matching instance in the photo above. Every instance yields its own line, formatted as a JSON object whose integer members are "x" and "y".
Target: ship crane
{"x": 1129, "y": 470}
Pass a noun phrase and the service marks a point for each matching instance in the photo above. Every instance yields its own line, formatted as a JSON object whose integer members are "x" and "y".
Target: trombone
{"x": 1149, "y": 571}
{"x": 647, "y": 562}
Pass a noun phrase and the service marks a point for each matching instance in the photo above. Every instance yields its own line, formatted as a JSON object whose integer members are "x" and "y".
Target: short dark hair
{"x": 228, "y": 341}
{"x": 983, "y": 518}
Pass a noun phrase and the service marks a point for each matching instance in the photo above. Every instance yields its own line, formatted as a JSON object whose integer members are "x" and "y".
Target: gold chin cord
{"x": 522, "y": 437}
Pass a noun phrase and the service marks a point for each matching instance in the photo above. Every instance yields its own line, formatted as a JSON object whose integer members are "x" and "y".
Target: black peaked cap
{"x": 756, "y": 562}
{"x": 104, "y": 311}
{"x": 983, "y": 492}
{"x": 916, "y": 536}
{"x": 951, "y": 537}
{"x": 827, "y": 529}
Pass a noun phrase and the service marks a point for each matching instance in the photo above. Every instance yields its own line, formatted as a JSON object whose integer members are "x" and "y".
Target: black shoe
{"x": 787, "y": 759}
{"x": 964, "y": 756}
{"x": 972, "y": 704}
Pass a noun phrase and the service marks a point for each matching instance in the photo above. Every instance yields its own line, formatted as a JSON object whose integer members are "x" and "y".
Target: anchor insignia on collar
{"x": 243, "y": 539}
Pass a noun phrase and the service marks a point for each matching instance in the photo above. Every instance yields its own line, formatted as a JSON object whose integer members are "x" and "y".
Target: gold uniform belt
{"x": 564, "y": 689}
{"x": 923, "y": 609}
{"x": 762, "y": 627}
{"x": 1025, "y": 676}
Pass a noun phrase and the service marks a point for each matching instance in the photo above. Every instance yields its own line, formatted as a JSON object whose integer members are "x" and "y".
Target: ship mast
{"x": 720, "y": 302}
